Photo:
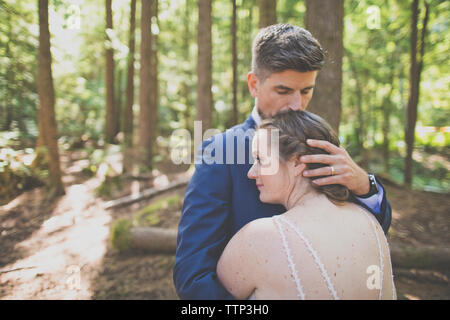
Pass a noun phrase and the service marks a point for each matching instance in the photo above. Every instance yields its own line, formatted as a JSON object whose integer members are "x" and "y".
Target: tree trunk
{"x": 110, "y": 122}
{"x": 48, "y": 133}
{"x": 324, "y": 19}
{"x": 9, "y": 107}
{"x": 234, "y": 117}
{"x": 186, "y": 90}
{"x": 154, "y": 91}
{"x": 359, "y": 128}
{"x": 128, "y": 116}
{"x": 146, "y": 120}
{"x": 414, "y": 87}
{"x": 118, "y": 99}
{"x": 204, "y": 65}
{"x": 267, "y": 13}
{"x": 387, "y": 110}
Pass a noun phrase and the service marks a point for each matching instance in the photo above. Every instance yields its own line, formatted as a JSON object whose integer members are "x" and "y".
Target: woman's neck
{"x": 301, "y": 194}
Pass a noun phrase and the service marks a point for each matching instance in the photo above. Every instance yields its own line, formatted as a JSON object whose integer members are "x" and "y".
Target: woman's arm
{"x": 239, "y": 266}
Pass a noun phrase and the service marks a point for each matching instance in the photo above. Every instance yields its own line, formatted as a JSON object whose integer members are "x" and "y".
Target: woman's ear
{"x": 299, "y": 167}
{"x": 252, "y": 81}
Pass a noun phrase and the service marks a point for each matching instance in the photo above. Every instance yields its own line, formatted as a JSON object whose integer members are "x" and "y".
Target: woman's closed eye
{"x": 262, "y": 161}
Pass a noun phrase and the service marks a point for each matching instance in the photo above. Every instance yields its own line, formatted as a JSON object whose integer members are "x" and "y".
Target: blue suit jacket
{"x": 219, "y": 200}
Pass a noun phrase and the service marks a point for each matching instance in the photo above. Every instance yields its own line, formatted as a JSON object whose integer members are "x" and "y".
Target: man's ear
{"x": 252, "y": 81}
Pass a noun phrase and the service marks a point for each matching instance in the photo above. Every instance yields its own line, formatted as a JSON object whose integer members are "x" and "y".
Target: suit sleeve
{"x": 203, "y": 233}
{"x": 384, "y": 214}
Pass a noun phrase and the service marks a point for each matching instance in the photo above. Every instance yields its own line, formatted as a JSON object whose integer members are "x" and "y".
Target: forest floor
{"x": 61, "y": 249}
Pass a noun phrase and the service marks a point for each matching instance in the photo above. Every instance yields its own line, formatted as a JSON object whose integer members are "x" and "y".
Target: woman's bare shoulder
{"x": 258, "y": 230}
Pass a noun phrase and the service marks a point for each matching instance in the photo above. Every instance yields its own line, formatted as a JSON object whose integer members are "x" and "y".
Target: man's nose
{"x": 296, "y": 102}
{"x": 252, "y": 173}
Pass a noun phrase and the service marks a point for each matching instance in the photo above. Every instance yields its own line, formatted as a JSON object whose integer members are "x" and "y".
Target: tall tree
{"x": 110, "y": 123}
{"x": 204, "y": 64}
{"x": 154, "y": 87}
{"x": 267, "y": 13}
{"x": 234, "y": 117}
{"x": 127, "y": 118}
{"x": 186, "y": 86}
{"x": 146, "y": 114}
{"x": 387, "y": 108}
{"x": 324, "y": 19}
{"x": 47, "y": 127}
{"x": 360, "y": 125}
{"x": 414, "y": 85}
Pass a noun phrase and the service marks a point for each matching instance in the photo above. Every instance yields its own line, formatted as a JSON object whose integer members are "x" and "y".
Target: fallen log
{"x": 157, "y": 240}
{"x": 151, "y": 239}
{"x": 421, "y": 275}
{"x": 420, "y": 257}
{"x": 146, "y": 194}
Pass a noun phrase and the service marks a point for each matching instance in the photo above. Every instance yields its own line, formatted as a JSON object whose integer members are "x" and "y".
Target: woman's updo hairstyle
{"x": 294, "y": 128}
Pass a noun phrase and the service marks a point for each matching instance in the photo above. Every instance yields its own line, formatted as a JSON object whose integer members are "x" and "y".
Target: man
{"x": 220, "y": 199}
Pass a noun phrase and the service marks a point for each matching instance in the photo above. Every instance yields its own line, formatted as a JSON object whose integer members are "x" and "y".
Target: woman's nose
{"x": 252, "y": 173}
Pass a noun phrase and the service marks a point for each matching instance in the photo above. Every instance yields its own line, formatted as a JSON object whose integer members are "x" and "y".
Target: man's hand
{"x": 344, "y": 170}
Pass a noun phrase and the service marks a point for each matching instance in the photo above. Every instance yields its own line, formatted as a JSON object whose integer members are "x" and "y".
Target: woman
{"x": 322, "y": 247}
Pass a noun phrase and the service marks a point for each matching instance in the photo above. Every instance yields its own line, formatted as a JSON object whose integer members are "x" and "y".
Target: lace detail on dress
{"x": 312, "y": 252}
{"x": 290, "y": 261}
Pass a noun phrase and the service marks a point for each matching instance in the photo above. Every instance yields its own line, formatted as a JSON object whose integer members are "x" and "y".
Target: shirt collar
{"x": 256, "y": 117}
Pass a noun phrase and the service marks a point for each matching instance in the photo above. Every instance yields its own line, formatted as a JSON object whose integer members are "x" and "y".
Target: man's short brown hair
{"x": 282, "y": 47}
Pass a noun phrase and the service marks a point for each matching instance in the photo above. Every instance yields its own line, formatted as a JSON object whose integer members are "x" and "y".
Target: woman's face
{"x": 274, "y": 178}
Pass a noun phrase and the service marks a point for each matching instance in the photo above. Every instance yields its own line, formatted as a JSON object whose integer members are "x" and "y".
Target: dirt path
{"x": 61, "y": 250}
{"x": 53, "y": 250}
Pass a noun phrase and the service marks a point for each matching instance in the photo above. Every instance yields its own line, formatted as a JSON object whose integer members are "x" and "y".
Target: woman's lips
{"x": 259, "y": 186}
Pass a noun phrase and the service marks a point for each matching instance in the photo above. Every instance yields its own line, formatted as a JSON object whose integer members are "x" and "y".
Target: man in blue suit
{"x": 220, "y": 199}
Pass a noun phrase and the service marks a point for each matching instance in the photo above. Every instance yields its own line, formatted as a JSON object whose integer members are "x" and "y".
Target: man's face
{"x": 282, "y": 91}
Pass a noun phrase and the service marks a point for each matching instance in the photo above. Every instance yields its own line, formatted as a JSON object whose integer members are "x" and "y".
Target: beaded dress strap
{"x": 315, "y": 256}
{"x": 380, "y": 254}
{"x": 381, "y": 258}
{"x": 287, "y": 250}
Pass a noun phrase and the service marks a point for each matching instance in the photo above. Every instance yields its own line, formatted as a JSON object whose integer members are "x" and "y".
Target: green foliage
{"x": 16, "y": 173}
{"x": 120, "y": 234}
{"x": 18, "y": 64}
{"x": 375, "y": 72}
{"x": 428, "y": 174}
{"x": 149, "y": 215}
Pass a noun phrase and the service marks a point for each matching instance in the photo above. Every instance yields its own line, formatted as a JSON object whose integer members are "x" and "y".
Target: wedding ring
{"x": 332, "y": 170}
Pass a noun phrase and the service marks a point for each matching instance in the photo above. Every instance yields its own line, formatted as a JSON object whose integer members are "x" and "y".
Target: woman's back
{"x": 323, "y": 251}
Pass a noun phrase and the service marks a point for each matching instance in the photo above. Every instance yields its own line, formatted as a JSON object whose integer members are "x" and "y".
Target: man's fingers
{"x": 329, "y": 180}
{"x": 318, "y": 158}
{"x": 325, "y": 145}
{"x": 324, "y": 171}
